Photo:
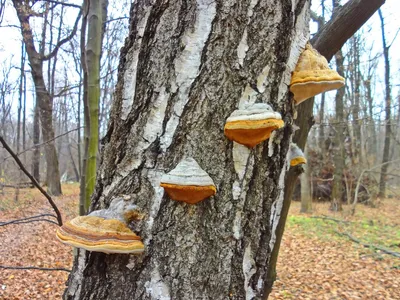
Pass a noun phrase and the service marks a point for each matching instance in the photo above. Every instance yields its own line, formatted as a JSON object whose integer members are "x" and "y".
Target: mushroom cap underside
{"x": 298, "y": 160}
{"x": 306, "y": 90}
{"x": 251, "y": 132}
{"x": 102, "y": 245}
{"x": 188, "y": 193}
{"x": 101, "y": 235}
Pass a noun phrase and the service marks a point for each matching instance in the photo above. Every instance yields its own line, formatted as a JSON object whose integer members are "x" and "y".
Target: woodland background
{"x": 353, "y": 146}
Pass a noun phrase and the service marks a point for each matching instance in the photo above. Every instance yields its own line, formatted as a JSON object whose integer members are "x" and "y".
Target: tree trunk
{"x": 43, "y": 98}
{"x": 338, "y": 150}
{"x": 306, "y": 195}
{"x": 180, "y": 78}
{"x": 388, "y": 100}
{"x": 35, "y": 140}
{"x": 93, "y": 53}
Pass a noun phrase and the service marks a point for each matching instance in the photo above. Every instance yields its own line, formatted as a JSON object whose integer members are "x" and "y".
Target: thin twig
{"x": 353, "y": 209}
{"x": 387, "y": 251}
{"x": 36, "y": 218}
{"x": 29, "y": 221}
{"x": 45, "y": 142}
{"x": 35, "y": 183}
{"x": 330, "y": 219}
{"x": 34, "y": 268}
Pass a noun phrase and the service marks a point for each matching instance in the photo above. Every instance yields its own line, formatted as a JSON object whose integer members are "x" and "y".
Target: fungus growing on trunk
{"x": 313, "y": 76}
{"x": 252, "y": 125}
{"x": 296, "y": 156}
{"x": 188, "y": 182}
{"x": 101, "y": 235}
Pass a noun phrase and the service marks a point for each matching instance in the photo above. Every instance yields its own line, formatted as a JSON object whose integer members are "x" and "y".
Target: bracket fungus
{"x": 188, "y": 182}
{"x": 101, "y": 235}
{"x": 296, "y": 156}
{"x": 313, "y": 76}
{"x": 252, "y": 125}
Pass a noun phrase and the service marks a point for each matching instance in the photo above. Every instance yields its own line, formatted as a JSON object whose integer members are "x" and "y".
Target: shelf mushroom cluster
{"x": 188, "y": 182}
{"x": 99, "y": 234}
{"x": 252, "y": 125}
{"x": 107, "y": 231}
{"x": 296, "y": 156}
{"x": 312, "y": 76}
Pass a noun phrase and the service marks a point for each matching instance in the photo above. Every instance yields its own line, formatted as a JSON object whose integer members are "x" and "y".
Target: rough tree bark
{"x": 184, "y": 68}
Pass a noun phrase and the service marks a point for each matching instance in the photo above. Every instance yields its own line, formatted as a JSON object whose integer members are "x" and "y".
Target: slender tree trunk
{"x": 43, "y": 98}
{"x": 306, "y": 195}
{"x": 357, "y": 146}
{"x": 372, "y": 148}
{"x": 93, "y": 53}
{"x": 36, "y": 140}
{"x": 388, "y": 100}
{"x": 180, "y": 78}
{"x": 86, "y": 121}
{"x": 338, "y": 150}
{"x": 20, "y": 97}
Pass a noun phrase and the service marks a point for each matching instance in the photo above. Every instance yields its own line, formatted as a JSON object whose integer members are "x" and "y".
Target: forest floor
{"x": 317, "y": 259}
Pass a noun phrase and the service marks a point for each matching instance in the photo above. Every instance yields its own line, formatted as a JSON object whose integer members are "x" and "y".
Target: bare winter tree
{"x": 36, "y": 58}
{"x": 184, "y": 68}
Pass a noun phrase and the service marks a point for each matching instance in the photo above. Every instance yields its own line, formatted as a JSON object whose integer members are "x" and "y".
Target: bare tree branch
{"x": 34, "y": 268}
{"x": 387, "y": 251}
{"x": 65, "y": 40}
{"x": 44, "y": 143}
{"x": 116, "y": 19}
{"x": 37, "y": 218}
{"x": 63, "y": 3}
{"x": 353, "y": 209}
{"x": 50, "y": 200}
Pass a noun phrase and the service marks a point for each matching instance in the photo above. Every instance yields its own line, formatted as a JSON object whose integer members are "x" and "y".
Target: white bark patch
{"x": 237, "y": 228}
{"x": 188, "y": 62}
{"x": 155, "y": 119}
{"x": 129, "y": 88}
{"x": 236, "y": 190}
{"x": 156, "y": 288}
{"x": 276, "y": 208}
{"x": 240, "y": 155}
{"x": 242, "y": 48}
{"x": 300, "y": 38}
{"x": 154, "y": 176}
{"x": 166, "y": 139}
{"x": 271, "y": 144}
{"x": 262, "y": 79}
{"x": 249, "y": 96}
{"x": 253, "y": 3}
{"x": 249, "y": 270}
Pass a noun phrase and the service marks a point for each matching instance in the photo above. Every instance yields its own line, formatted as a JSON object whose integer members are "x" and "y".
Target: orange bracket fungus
{"x": 252, "y": 125}
{"x": 313, "y": 76}
{"x": 101, "y": 235}
{"x": 105, "y": 230}
{"x": 188, "y": 182}
{"x": 296, "y": 156}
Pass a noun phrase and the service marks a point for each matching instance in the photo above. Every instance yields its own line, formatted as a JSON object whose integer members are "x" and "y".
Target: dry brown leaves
{"x": 33, "y": 244}
{"x": 315, "y": 268}
{"x": 308, "y": 267}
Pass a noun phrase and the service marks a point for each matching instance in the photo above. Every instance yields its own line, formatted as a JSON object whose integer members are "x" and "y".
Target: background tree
{"x": 43, "y": 97}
